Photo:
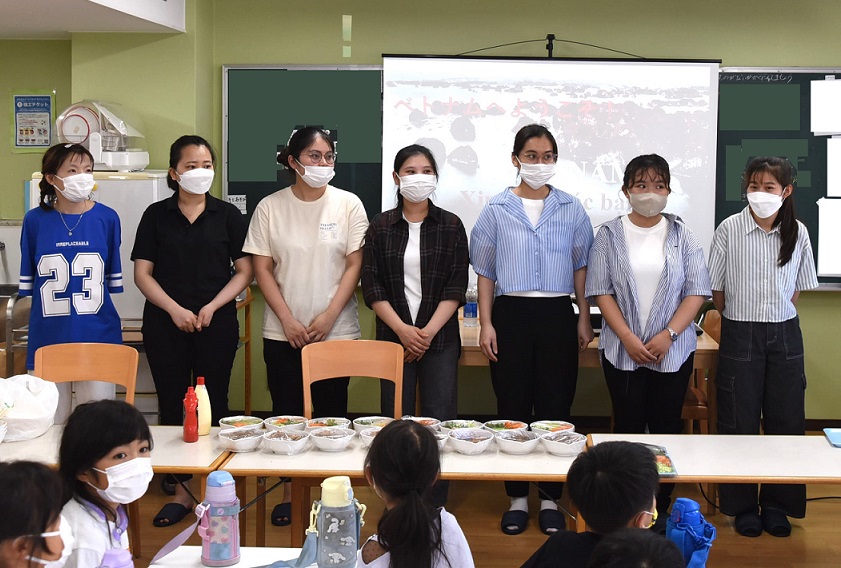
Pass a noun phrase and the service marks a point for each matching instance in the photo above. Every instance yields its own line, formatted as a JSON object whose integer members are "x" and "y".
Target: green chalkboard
{"x": 263, "y": 105}
{"x": 767, "y": 112}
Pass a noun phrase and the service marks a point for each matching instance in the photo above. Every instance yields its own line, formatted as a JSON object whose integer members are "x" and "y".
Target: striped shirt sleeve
{"x": 483, "y": 244}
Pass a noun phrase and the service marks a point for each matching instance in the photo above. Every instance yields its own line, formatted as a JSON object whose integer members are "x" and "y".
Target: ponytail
{"x": 787, "y": 221}
{"x": 411, "y": 532}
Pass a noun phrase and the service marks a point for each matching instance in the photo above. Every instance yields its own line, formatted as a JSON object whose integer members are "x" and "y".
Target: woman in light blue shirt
{"x": 529, "y": 248}
{"x": 760, "y": 260}
{"x": 648, "y": 277}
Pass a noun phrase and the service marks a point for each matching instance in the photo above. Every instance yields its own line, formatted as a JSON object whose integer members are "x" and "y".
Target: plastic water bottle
{"x": 191, "y": 421}
{"x": 219, "y": 527}
{"x": 687, "y": 528}
{"x": 471, "y": 307}
{"x": 117, "y": 558}
{"x": 338, "y": 527}
{"x": 204, "y": 407}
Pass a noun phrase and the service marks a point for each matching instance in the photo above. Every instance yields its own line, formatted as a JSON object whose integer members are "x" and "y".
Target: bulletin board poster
{"x": 33, "y": 119}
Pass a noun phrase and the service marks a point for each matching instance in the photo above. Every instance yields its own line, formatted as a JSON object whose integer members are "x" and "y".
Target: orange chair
{"x": 107, "y": 362}
{"x": 357, "y": 358}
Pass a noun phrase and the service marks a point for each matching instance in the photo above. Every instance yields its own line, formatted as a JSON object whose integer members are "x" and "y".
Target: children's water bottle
{"x": 687, "y": 528}
{"x": 191, "y": 422}
{"x": 117, "y": 558}
{"x": 471, "y": 308}
{"x": 219, "y": 526}
{"x": 338, "y": 524}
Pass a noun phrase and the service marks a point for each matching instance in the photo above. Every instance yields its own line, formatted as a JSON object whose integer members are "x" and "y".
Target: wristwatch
{"x": 672, "y": 333}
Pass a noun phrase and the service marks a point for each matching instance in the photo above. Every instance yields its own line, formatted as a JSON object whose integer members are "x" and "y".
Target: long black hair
{"x": 782, "y": 171}
{"x": 92, "y": 431}
{"x": 410, "y": 152}
{"x": 404, "y": 463}
{"x": 31, "y": 501}
{"x": 53, "y": 158}
{"x": 302, "y": 139}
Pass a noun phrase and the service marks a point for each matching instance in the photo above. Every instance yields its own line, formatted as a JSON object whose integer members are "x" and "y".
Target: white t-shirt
{"x": 309, "y": 242}
{"x": 92, "y": 538}
{"x": 647, "y": 256}
{"x": 454, "y": 543}
{"x": 412, "y": 270}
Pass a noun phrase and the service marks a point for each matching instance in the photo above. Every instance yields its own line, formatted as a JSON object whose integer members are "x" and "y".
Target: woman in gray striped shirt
{"x": 760, "y": 260}
{"x": 648, "y": 277}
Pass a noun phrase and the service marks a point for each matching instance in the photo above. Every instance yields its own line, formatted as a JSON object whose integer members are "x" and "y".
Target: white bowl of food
{"x": 564, "y": 443}
{"x": 285, "y": 422}
{"x": 517, "y": 442}
{"x": 328, "y": 422}
{"x": 505, "y": 425}
{"x": 367, "y": 435}
{"x": 431, "y": 423}
{"x": 240, "y": 439}
{"x": 249, "y": 422}
{"x": 285, "y": 441}
{"x": 441, "y": 437}
{"x": 543, "y": 426}
{"x": 470, "y": 441}
{"x": 364, "y": 422}
{"x": 332, "y": 439}
{"x": 448, "y": 425}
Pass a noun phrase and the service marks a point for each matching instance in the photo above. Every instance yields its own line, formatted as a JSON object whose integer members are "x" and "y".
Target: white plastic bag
{"x": 32, "y": 402}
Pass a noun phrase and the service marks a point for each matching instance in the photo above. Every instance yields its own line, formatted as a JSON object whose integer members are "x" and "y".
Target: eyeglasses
{"x": 534, "y": 158}
{"x": 316, "y": 157}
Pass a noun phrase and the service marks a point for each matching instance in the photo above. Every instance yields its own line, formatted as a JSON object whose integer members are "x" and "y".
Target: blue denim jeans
{"x": 761, "y": 377}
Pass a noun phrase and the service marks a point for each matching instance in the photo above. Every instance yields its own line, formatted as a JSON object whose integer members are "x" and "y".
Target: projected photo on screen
{"x": 602, "y": 113}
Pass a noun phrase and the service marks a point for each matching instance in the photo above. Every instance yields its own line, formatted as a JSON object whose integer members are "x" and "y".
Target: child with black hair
{"x": 105, "y": 462}
{"x": 636, "y": 548}
{"x": 402, "y": 466}
{"x": 760, "y": 260}
{"x": 32, "y": 530}
{"x": 613, "y": 484}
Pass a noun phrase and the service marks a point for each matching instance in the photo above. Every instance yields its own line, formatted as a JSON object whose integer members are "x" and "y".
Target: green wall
{"x": 175, "y": 83}
{"x": 26, "y": 65}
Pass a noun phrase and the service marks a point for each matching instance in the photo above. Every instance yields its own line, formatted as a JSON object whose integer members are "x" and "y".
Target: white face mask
{"x": 197, "y": 181}
{"x": 764, "y": 204}
{"x": 418, "y": 187}
{"x": 67, "y": 540}
{"x": 536, "y": 175}
{"x": 316, "y": 176}
{"x": 648, "y": 204}
{"x": 127, "y": 482}
{"x": 77, "y": 187}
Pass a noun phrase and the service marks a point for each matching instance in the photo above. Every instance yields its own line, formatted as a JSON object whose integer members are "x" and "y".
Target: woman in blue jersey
{"x": 648, "y": 277}
{"x": 760, "y": 260}
{"x": 529, "y": 248}
{"x": 70, "y": 265}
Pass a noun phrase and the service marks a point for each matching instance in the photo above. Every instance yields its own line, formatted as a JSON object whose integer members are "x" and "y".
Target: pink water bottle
{"x": 219, "y": 526}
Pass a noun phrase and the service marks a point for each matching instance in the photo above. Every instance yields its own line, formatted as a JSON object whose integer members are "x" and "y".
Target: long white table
{"x": 744, "y": 459}
{"x": 311, "y": 466}
{"x": 250, "y": 557}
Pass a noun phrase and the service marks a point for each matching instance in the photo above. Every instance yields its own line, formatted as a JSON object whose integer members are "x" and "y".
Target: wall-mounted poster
{"x": 33, "y": 120}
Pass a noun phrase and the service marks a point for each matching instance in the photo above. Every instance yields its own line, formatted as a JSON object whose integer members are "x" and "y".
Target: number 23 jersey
{"x": 71, "y": 277}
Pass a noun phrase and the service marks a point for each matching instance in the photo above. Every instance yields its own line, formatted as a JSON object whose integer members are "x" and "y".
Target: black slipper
{"x": 170, "y": 514}
{"x": 748, "y": 524}
{"x": 551, "y": 521}
{"x": 514, "y": 522}
{"x": 281, "y": 514}
{"x": 168, "y": 485}
{"x": 775, "y": 522}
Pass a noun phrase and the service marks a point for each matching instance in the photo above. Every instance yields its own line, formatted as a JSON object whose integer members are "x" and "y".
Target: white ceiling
{"x": 56, "y": 19}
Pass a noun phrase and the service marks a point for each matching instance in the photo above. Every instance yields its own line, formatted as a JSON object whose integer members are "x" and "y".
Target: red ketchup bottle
{"x": 191, "y": 420}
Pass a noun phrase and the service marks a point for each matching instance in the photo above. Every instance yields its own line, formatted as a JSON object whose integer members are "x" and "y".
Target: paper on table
{"x": 829, "y": 235}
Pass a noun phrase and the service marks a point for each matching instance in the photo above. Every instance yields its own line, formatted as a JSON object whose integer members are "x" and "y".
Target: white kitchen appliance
{"x": 111, "y": 133}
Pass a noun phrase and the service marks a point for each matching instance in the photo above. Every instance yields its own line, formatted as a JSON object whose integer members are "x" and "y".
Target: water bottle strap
{"x": 181, "y": 538}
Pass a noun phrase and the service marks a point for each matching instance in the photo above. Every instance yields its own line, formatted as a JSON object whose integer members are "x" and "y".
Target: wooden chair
{"x": 356, "y": 358}
{"x": 107, "y": 362}
{"x": 695, "y": 404}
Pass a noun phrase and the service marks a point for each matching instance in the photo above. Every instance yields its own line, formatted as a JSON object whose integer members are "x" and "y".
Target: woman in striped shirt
{"x": 760, "y": 260}
{"x": 529, "y": 248}
{"x": 648, "y": 277}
